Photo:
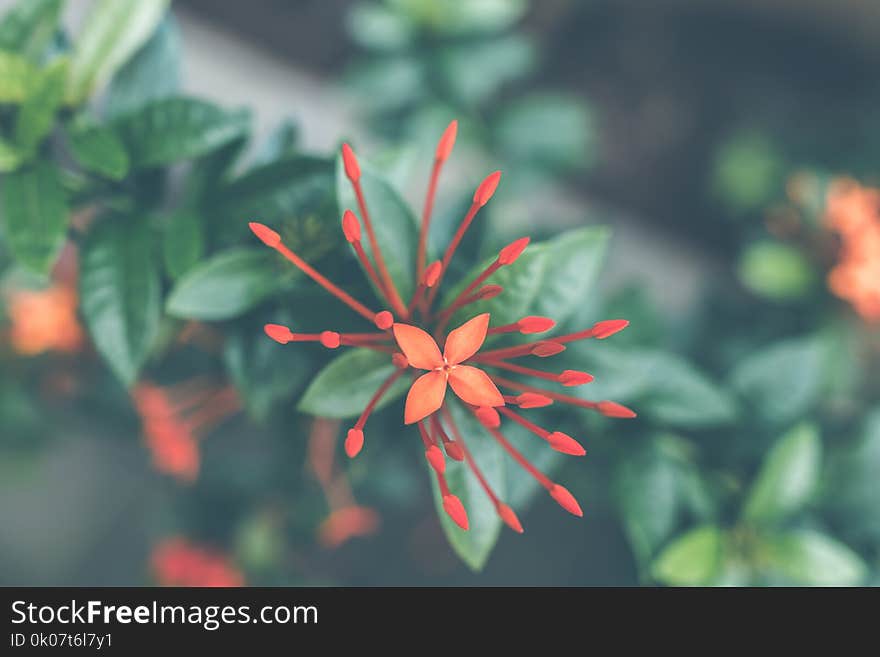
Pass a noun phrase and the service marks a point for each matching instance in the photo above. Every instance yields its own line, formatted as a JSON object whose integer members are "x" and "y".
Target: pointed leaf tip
{"x": 509, "y": 517}
{"x": 566, "y": 500}
{"x": 350, "y": 163}
{"x": 383, "y": 320}
{"x": 608, "y": 327}
{"x": 613, "y": 409}
{"x": 351, "y": 227}
{"x": 572, "y": 378}
{"x": 354, "y": 442}
{"x": 535, "y": 324}
{"x": 447, "y": 141}
{"x": 564, "y": 443}
{"x": 509, "y": 254}
{"x": 268, "y": 236}
{"x": 436, "y": 459}
{"x": 329, "y": 339}
{"x": 455, "y": 509}
{"x": 487, "y": 188}
{"x": 281, "y": 334}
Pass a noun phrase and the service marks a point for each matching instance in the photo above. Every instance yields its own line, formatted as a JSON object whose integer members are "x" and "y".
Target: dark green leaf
{"x": 27, "y": 27}
{"x": 184, "y": 242}
{"x": 97, "y": 148}
{"x": 344, "y": 387}
{"x": 113, "y": 31}
{"x": 17, "y": 77}
{"x": 226, "y": 286}
{"x": 35, "y": 216}
{"x": 36, "y": 116}
{"x": 152, "y": 73}
{"x": 474, "y": 545}
{"x": 10, "y": 157}
{"x": 810, "y": 558}
{"x": 788, "y": 477}
{"x": 174, "y": 129}
{"x": 393, "y": 221}
{"x": 692, "y": 559}
{"x": 119, "y": 288}
{"x": 474, "y": 71}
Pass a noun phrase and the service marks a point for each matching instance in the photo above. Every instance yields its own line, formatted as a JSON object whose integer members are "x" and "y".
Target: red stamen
{"x": 353, "y": 173}
{"x": 541, "y": 349}
{"x": 559, "y": 441}
{"x": 567, "y": 377}
{"x": 444, "y": 148}
{"x": 609, "y": 408}
{"x": 599, "y": 330}
{"x": 522, "y": 460}
{"x": 272, "y": 239}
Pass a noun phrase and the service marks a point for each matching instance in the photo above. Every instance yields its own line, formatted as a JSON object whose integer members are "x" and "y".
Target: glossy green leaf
{"x": 17, "y": 77}
{"x": 474, "y": 545}
{"x": 394, "y": 223}
{"x": 692, "y": 559}
{"x": 113, "y": 31}
{"x": 183, "y": 243}
{"x": 151, "y": 74}
{"x": 36, "y": 116}
{"x": 788, "y": 477}
{"x": 344, "y": 387}
{"x": 98, "y": 149}
{"x": 226, "y": 286}
{"x": 174, "y": 129}
{"x": 120, "y": 293}
{"x": 35, "y": 216}
{"x": 782, "y": 381}
{"x": 807, "y": 557}
{"x": 551, "y": 278}
{"x": 27, "y": 27}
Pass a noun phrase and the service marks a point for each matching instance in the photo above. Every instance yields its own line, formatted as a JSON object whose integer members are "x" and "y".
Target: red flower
{"x": 179, "y": 562}
{"x": 418, "y": 343}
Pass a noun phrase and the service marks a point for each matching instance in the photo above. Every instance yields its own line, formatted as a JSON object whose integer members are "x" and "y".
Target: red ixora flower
{"x": 412, "y": 333}
{"x": 179, "y": 562}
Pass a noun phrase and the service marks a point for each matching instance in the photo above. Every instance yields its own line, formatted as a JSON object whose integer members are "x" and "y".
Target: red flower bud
{"x": 509, "y": 517}
{"x": 447, "y": 141}
{"x": 279, "y": 333}
{"x": 351, "y": 227}
{"x": 489, "y": 291}
{"x": 453, "y": 506}
{"x": 268, "y": 236}
{"x": 512, "y": 251}
{"x": 435, "y": 458}
{"x": 488, "y": 417}
{"x": 564, "y": 443}
{"x": 329, "y": 339}
{"x": 532, "y": 400}
{"x": 574, "y": 378}
{"x": 566, "y": 500}
{"x": 487, "y": 188}
{"x": 547, "y": 348}
{"x": 432, "y": 273}
{"x": 613, "y": 409}
{"x": 535, "y": 324}
{"x": 350, "y": 163}
{"x": 399, "y": 361}
{"x": 354, "y": 442}
{"x": 383, "y": 320}
{"x": 603, "y": 329}
{"x": 454, "y": 451}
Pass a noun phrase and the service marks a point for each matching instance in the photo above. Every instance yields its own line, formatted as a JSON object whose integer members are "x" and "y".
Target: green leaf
{"x": 474, "y": 545}
{"x": 226, "y": 286}
{"x": 552, "y": 278}
{"x": 27, "y": 27}
{"x": 788, "y": 476}
{"x": 776, "y": 271}
{"x": 119, "y": 289}
{"x": 10, "y": 157}
{"x": 782, "y": 381}
{"x": 151, "y": 74}
{"x": 393, "y": 222}
{"x": 113, "y": 31}
{"x": 17, "y": 77}
{"x": 36, "y": 116}
{"x": 693, "y": 559}
{"x": 35, "y": 216}
{"x": 810, "y": 558}
{"x": 173, "y": 129}
{"x": 98, "y": 149}
{"x": 474, "y": 71}
{"x": 344, "y": 387}
{"x": 184, "y": 242}
{"x": 374, "y": 26}
{"x": 749, "y": 171}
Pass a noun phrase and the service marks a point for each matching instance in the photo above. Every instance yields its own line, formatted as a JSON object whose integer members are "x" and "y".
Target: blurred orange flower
{"x": 179, "y": 562}
{"x": 853, "y": 211}
{"x": 44, "y": 320}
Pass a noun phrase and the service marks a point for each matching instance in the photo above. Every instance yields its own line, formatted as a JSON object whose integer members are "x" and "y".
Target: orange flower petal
{"x": 466, "y": 340}
{"x": 425, "y": 396}
{"x": 419, "y": 348}
{"x": 474, "y": 386}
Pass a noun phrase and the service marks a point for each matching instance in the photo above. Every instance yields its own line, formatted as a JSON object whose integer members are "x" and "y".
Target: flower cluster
{"x": 179, "y": 562}
{"x": 174, "y": 418}
{"x": 853, "y": 212}
{"x": 414, "y": 334}
{"x": 44, "y": 320}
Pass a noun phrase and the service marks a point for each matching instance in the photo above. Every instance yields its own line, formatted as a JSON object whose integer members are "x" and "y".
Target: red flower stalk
{"x": 179, "y": 562}
{"x": 176, "y": 417}
{"x": 418, "y": 344}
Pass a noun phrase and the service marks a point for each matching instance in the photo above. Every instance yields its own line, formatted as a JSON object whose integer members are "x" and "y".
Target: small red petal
{"x": 547, "y": 348}
{"x": 453, "y": 506}
{"x": 466, "y": 340}
{"x": 447, "y": 141}
{"x": 474, "y": 386}
{"x": 509, "y": 517}
{"x": 418, "y": 346}
{"x": 399, "y": 361}
{"x": 535, "y": 324}
{"x": 279, "y": 333}
{"x": 602, "y": 330}
{"x": 489, "y": 291}
{"x": 532, "y": 400}
{"x": 487, "y": 188}
{"x": 574, "y": 378}
{"x": 383, "y": 320}
{"x": 351, "y": 227}
{"x": 432, "y": 273}
{"x": 566, "y": 500}
{"x": 512, "y": 251}
{"x": 349, "y": 161}
{"x": 454, "y": 451}
{"x": 435, "y": 458}
{"x": 329, "y": 339}
{"x": 613, "y": 409}
{"x": 354, "y": 442}
{"x": 488, "y": 417}
{"x": 564, "y": 443}
{"x": 268, "y": 236}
